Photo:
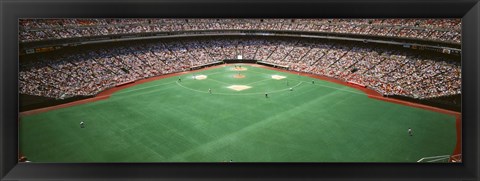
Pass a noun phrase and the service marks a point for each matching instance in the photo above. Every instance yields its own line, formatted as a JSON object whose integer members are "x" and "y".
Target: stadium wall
{"x": 30, "y": 102}
{"x": 452, "y": 103}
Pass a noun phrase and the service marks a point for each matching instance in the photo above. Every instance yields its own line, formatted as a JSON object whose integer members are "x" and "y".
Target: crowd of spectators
{"x": 446, "y": 30}
{"x": 388, "y": 71}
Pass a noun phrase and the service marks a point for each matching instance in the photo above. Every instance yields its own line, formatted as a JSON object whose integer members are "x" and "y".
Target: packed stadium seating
{"x": 90, "y": 71}
{"x": 445, "y": 30}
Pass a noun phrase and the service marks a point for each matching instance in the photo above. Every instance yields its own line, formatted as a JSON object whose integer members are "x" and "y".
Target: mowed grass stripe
{"x": 162, "y": 121}
{"x": 227, "y": 139}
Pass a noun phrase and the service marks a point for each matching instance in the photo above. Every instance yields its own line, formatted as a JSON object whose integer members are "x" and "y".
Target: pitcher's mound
{"x": 239, "y": 87}
{"x": 278, "y": 77}
{"x": 239, "y": 76}
{"x": 200, "y": 77}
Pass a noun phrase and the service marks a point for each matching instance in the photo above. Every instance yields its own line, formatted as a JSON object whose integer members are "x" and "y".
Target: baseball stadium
{"x": 240, "y": 90}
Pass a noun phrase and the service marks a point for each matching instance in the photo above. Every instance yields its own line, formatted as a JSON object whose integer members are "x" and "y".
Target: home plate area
{"x": 278, "y": 77}
{"x": 239, "y": 87}
{"x": 200, "y": 77}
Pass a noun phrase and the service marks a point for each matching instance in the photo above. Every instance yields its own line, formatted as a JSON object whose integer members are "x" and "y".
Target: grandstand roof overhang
{"x": 59, "y": 43}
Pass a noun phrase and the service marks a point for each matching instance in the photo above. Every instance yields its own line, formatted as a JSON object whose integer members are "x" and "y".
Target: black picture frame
{"x": 11, "y": 11}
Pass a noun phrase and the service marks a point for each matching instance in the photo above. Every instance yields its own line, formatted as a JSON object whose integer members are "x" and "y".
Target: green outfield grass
{"x": 170, "y": 121}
